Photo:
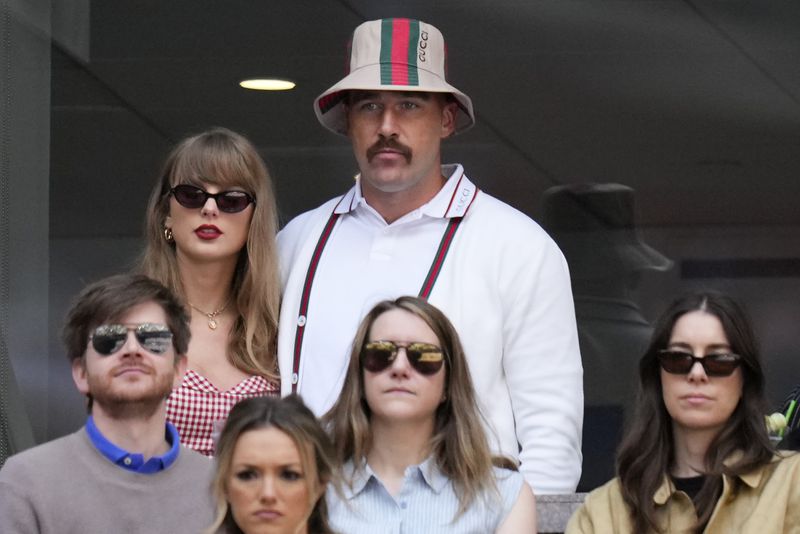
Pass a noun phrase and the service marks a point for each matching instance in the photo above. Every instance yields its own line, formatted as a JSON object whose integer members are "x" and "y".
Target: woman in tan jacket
{"x": 697, "y": 457}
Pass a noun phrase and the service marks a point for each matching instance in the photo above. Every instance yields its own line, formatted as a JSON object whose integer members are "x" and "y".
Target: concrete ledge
{"x": 553, "y": 511}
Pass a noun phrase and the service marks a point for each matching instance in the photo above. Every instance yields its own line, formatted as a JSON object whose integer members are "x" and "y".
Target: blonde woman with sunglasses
{"x": 697, "y": 457}
{"x": 408, "y": 431}
{"x": 211, "y": 224}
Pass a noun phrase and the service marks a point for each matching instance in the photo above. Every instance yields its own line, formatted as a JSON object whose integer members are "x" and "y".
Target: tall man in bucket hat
{"x": 411, "y": 225}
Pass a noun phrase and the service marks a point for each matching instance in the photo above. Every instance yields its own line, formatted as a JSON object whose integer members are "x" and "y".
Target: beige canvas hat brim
{"x": 392, "y": 55}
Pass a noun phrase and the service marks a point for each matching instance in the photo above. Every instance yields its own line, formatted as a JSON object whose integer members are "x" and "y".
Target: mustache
{"x": 125, "y": 366}
{"x": 389, "y": 144}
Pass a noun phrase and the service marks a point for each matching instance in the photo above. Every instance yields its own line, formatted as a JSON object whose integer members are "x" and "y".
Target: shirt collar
{"x": 664, "y": 491}
{"x": 428, "y": 471}
{"x": 452, "y": 200}
{"x": 133, "y": 461}
{"x": 432, "y": 475}
{"x": 357, "y": 479}
{"x": 751, "y": 478}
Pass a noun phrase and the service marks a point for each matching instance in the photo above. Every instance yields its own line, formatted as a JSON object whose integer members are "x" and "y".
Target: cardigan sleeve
{"x": 542, "y": 363}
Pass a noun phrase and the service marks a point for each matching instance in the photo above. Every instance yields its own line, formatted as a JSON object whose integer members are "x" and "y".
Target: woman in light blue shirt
{"x": 409, "y": 434}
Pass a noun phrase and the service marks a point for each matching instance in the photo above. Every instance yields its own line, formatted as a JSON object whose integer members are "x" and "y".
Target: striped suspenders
{"x": 424, "y": 292}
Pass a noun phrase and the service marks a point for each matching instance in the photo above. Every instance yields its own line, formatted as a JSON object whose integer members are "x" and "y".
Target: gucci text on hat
{"x": 392, "y": 55}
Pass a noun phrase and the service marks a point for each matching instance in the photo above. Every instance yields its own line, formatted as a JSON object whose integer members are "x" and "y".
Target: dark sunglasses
{"x": 193, "y": 197}
{"x": 109, "y": 338}
{"x": 680, "y": 363}
{"x": 425, "y": 358}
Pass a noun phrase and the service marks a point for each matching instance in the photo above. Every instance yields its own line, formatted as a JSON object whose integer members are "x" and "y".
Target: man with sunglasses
{"x": 124, "y": 471}
{"x": 412, "y": 226}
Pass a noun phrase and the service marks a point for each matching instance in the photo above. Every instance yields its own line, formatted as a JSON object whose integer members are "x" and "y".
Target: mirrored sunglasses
{"x": 109, "y": 338}
{"x": 193, "y": 197}
{"x": 680, "y": 362}
{"x": 425, "y": 358}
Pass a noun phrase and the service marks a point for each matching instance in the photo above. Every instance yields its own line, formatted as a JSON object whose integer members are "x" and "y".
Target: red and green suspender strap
{"x": 424, "y": 292}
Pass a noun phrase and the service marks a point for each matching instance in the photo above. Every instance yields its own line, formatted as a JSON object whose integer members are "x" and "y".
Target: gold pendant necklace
{"x": 212, "y": 316}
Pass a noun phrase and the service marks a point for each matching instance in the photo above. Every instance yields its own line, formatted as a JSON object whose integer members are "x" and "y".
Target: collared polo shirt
{"x": 427, "y": 502}
{"x": 504, "y": 285}
{"x": 133, "y": 461}
{"x": 400, "y": 252}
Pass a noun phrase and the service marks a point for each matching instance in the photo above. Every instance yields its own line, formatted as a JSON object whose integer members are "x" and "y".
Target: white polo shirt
{"x": 504, "y": 285}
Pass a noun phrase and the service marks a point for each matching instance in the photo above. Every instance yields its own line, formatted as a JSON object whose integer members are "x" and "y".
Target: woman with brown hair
{"x": 697, "y": 457}
{"x": 408, "y": 430}
{"x": 273, "y": 464}
{"x": 210, "y": 231}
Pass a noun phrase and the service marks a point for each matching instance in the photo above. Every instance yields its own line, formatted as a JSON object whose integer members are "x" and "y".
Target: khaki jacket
{"x": 764, "y": 501}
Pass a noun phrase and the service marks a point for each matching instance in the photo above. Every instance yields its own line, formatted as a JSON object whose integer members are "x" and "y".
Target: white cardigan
{"x": 504, "y": 285}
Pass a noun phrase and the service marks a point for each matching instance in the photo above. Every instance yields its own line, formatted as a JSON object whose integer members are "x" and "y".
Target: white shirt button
{"x": 301, "y": 321}
{"x": 295, "y": 378}
{"x": 127, "y": 460}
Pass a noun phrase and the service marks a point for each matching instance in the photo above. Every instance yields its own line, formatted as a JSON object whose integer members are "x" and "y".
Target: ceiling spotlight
{"x": 267, "y": 84}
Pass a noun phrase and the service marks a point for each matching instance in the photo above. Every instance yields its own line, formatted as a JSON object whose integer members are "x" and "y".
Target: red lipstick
{"x": 208, "y": 232}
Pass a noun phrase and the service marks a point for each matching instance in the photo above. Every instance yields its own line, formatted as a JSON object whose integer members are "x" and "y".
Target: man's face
{"x": 133, "y": 379}
{"x": 396, "y": 138}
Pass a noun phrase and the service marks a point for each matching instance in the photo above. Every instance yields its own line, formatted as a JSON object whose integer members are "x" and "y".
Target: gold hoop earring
{"x": 168, "y": 235}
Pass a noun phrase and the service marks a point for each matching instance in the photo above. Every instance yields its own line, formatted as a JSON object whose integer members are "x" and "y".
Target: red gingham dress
{"x": 196, "y": 405}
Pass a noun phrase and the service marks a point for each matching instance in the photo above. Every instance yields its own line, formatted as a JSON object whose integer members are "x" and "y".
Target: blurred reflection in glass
{"x": 594, "y": 226}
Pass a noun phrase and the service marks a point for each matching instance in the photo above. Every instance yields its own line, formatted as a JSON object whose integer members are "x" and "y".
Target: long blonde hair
{"x": 224, "y": 158}
{"x": 459, "y": 445}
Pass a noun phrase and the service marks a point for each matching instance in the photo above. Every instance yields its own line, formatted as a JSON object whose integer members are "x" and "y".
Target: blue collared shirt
{"x": 426, "y": 503}
{"x": 133, "y": 461}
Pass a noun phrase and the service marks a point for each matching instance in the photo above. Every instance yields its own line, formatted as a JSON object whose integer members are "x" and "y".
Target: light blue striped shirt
{"x": 426, "y": 504}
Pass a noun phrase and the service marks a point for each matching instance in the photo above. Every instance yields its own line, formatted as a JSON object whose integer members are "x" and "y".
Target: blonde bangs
{"x": 214, "y": 162}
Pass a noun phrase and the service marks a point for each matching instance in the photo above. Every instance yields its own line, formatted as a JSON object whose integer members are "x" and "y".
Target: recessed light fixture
{"x": 267, "y": 84}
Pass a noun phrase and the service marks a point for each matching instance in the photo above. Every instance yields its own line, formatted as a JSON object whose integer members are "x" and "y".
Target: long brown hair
{"x": 459, "y": 444}
{"x": 646, "y": 453}
{"x": 293, "y": 418}
{"x": 224, "y": 158}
